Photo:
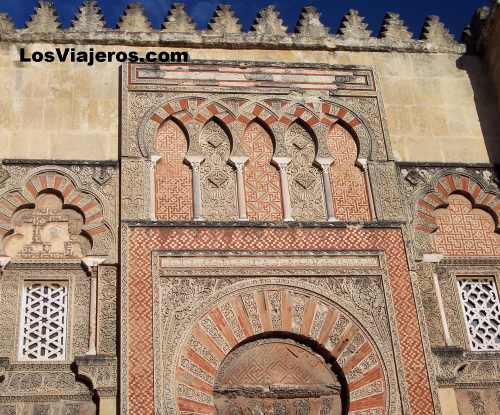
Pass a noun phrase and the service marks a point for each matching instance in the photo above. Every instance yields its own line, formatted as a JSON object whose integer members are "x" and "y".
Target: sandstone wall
{"x": 439, "y": 106}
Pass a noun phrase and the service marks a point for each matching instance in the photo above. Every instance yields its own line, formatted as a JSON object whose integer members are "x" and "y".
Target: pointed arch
{"x": 262, "y": 180}
{"x": 173, "y": 181}
{"x": 218, "y": 178}
{"x": 305, "y": 178}
{"x": 349, "y": 191}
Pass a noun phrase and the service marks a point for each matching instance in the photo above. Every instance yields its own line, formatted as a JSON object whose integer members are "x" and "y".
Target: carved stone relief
{"x": 305, "y": 179}
{"x": 218, "y": 188}
{"x": 180, "y": 298}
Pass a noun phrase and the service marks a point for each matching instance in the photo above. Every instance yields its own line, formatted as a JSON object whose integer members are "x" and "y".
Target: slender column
{"x": 152, "y": 184}
{"x": 93, "y": 313}
{"x": 239, "y": 164}
{"x": 429, "y": 258}
{"x": 371, "y": 204}
{"x": 195, "y": 162}
{"x": 282, "y": 164}
{"x": 91, "y": 264}
{"x": 325, "y": 164}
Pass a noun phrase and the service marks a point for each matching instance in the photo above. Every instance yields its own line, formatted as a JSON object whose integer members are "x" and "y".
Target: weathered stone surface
{"x": 178, "y": 21}
{"x": 435, "y": 32}
{"x": 89, "y": 18}
{"x": 134, "y": 19}
{"x": 353, "y": 26}
{"x": 6, "y": 23}
{"x": 224, "y": 21}
{"x": 394, "y": 28}
{"x": 309, "y": 23}
{"x": 44, "y": 20}
{"x": 269, "y": 22}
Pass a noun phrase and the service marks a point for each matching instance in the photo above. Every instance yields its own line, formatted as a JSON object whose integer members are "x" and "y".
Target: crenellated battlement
{"x": 225, "y": 30}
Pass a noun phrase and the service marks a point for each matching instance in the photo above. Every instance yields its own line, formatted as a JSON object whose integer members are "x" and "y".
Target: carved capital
{"x": 100, "y": 371}
{"x": 4, "y": 261}
{"x": 281, "y": 162}
{"x": 91, "y": 262}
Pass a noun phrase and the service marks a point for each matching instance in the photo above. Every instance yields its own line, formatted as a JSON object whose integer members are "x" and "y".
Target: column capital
{"x": 4, "y": 261}
{"x": 324, "y": 162}
{"x": 91, "y": 262}
{"x": 281, "y": 162}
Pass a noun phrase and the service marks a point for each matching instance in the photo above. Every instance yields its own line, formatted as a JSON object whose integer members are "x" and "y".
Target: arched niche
{"x": 279, "y": 374}
{"x": 304, "y": 176}
{"x": 209, "y": 357}
{"x": 173, "y": 180}
{"x": 262, "y": 180}
{"x": 456, "y": 216}
{"x": 218, "y": 178}
{"x": 349, "y": 188}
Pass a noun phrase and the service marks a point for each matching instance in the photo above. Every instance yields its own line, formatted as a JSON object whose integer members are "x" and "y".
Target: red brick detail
{"x": 43, "y": 181}
{"x": 271, "y": 119}
{"x": 58, "y": 181}
{"x": 363, "y": 351}
{"x": 257, "y": 110}
{"x": 312, "y": 121}
{"x": 201, "y": 118}
{"x": 200, "y": 362}
{"x": 330, "y": 320}
{"x": 370, "y": 376}
{"x": 426, "y": 218}
{"x": 173, "y": 180}
{"x": 460, "y": 229}
{"x": 221, "y": 324}
{"x": 213, "y": 109}
{"x": 156, "y": 118}
{"x": 188, "y": 379}
{"x": 95, "y": 217}
{"x": 374, "y": 401}
{"x": 68, "y": 190}
{"x": 243, "y": 119}
{"x": 228, "y": 119}
{"x": 326, "y": 108}
{"x": 208, "y": 342}
{"x": 464, "y": 231}
{"x": 350, "y": 198}
{"x": 424, "y": 205}
{"x": 299, "y": 111}
{"x": 285, "y": 120}
{"x": 308, "y": 317}
{"x": 262, "y": 181}
{"x": 242, "y": 317}
{"x": 286, "y": 312}
{"x": 89, "y": 205}
{"x": 168, "y": 109}
{"x": 341, "y": 113}
{"x": 354, "y": 122}
{"x": 143, "y": 241}
{"x": 184, "y": 103}
{"x": 31, "y": 189}
{"x": 97, "y": 230}
{"x": 187, "y": 406}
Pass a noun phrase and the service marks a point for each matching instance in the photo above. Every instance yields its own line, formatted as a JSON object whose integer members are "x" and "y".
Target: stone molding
{"x": 223, "y": 31}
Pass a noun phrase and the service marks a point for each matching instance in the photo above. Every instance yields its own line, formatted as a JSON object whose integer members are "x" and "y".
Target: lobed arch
{"x": 66, "y": 187}
{"x": 220, "y": 326}
{"x": 435, "y": 196}
{"x": 182, "y": 108}
{"x": 354, "y": 124}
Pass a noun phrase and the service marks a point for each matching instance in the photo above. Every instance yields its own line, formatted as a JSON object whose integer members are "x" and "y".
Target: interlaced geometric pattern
{"x": 143, "y": 241}
{"x": 464, "y": 231}
{"x": 350, "y": 200}
{"x": 43, "y": 321}
{"x": 304, "y": 177}
{"x": 479, "y": 297}
{"x": 173, "y": 177}
{"x": 262, "y": 180}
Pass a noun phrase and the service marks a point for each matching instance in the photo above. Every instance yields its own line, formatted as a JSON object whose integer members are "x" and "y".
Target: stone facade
{"x": 289, "y": 223}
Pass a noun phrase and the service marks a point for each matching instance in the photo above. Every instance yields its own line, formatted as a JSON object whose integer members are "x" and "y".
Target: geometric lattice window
{"x": 43, "y": 321}
{"x": 479, "y": 297}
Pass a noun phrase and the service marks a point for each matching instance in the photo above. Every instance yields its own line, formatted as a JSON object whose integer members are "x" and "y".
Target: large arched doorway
{"x": 279, "y": 376}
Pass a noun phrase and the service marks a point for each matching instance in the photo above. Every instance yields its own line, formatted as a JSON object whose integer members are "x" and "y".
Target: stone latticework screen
{"x": 479, "y": 298}
{"x": 350, "y": 199}
{"x": 262, "y": 182}
{"x": 463, "y": 230}
{"x": 44, "y": 320}
{"x": 173, "y": 177}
